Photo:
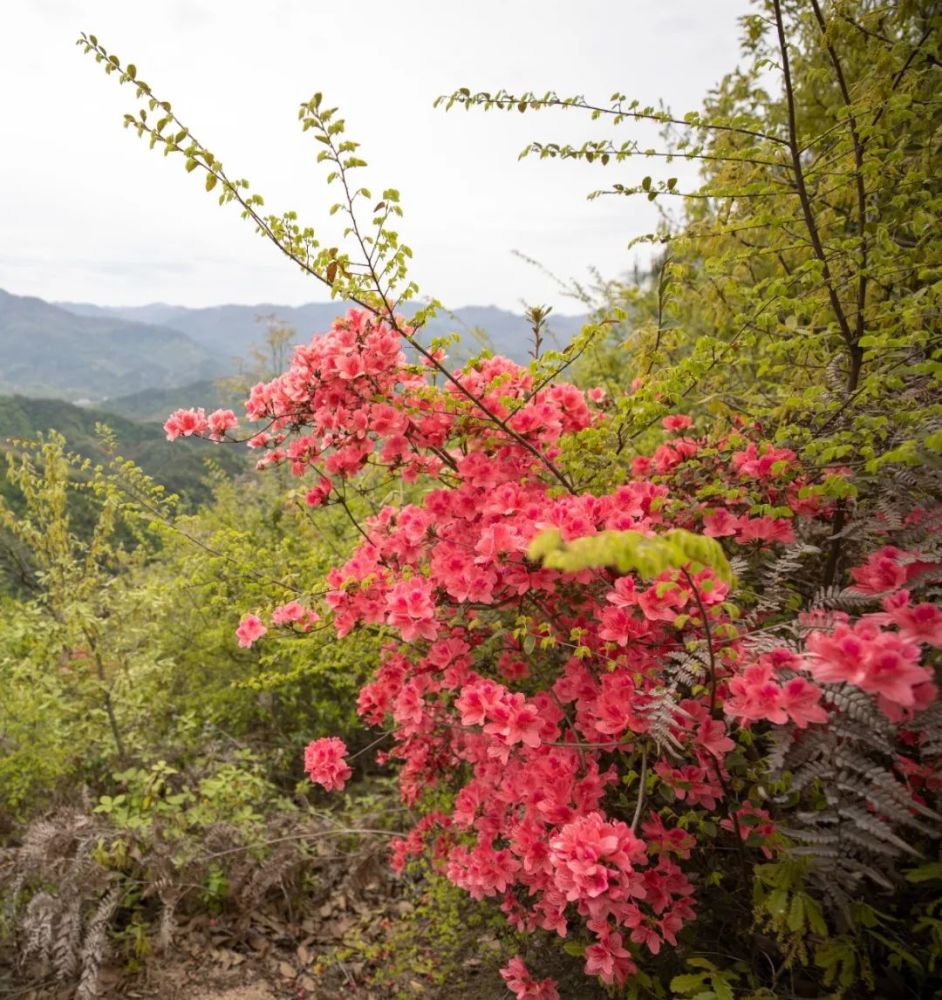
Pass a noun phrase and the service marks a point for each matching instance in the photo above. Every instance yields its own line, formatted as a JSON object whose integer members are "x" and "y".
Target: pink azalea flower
{"x": 765, "y": 529}
{"x": 250, "y": 630}
{"x": 294, "y": 613}
{"x": 608, "y": 960}
{"x": 881, "y": 572}
{"x": 524, "y": 987}
{"x": 801, "y": 700}
{"x": 325, "y": 763}
{"x": 411, "y": 610}
{"x": 720, "y": 523}
{"x": 220, "y": 421}
{"x": 186, "y": 423}
{"x": 918, "y": 623}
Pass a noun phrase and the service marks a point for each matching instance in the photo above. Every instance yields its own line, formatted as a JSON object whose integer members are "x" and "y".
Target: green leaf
{"x": 688, "y": 982}
{"x": 930, "y": 872}
{"x": 777, "y": 903}
{"x": 796, "y": 913}
{"x": 631, "y": 551}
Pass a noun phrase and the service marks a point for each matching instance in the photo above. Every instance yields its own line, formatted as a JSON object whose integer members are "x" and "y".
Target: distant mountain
{"x": 141, "y": 361}
{"x": 231, "y": 332}
{"x": 503, "y": 332}
{"x": 46, "y": 350}
{"x": 180, "y": 466}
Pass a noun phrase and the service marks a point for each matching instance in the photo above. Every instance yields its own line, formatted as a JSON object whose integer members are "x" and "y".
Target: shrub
{"x": 608, "y": 720}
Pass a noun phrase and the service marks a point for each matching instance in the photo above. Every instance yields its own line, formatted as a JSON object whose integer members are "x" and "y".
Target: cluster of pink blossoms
{"x": 881, "y": 661}
{"x": 189, "y": 423}
{"x": 524, "y": 987}
{"x": 772, "y": 689}
{"x": 294, "y": 614}
{"x": 536, "y": 686}
{"x": 325, "y": 762}
{"x": 251, "y": 629}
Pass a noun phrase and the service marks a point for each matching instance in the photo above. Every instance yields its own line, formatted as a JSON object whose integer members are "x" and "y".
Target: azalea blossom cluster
{"x": 524, "y": 987}
{"x": 886, "y": 662}
{"x": 325, "y": 762}
{"x": 195, "y": 422}
{"x": 293, "y": 615}
{"x": 547, "y": 703}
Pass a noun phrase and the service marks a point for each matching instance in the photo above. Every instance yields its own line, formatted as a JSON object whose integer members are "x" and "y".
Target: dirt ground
{"x": 259, "y": 991}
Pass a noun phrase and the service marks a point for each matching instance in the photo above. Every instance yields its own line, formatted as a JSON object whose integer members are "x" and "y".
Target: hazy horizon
{"x": 65, "y": 303}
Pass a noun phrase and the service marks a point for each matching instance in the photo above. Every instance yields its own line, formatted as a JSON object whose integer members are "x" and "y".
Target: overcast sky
{"x": 88, "y": 213}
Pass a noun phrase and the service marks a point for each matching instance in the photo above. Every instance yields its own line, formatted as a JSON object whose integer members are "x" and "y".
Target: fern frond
{"x": 96, "y": 945}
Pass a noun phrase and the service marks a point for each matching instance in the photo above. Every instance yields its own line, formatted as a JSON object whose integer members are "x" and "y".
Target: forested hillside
{"x": 182, "y": 471}
{"x": 606, "y": 669}
{"x": 129, "y": 360}
{"x": 153, "y": 405}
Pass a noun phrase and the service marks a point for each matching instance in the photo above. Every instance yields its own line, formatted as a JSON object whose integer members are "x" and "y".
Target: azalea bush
{"x": 599, "y": 703}
{"x": 658, "y": 647}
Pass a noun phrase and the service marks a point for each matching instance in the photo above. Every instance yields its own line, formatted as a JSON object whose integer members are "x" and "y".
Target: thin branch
{"x": 509, "y": 101}
{"x": 342, "y": 832}
{"x": 264, "y": 227}
{"x": 644, "y": 774}
{"x": 802, "y": 191}
{"x": 856, "y": 357}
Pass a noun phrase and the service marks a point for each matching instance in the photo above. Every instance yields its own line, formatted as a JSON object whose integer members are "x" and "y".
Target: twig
{"x": 644, "y": 774}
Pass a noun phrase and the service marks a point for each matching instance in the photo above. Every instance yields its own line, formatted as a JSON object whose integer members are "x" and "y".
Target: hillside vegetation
{"x": 153, "y": 405}
{"x": 182, "y": 470}
{"x": 610, "y": 673}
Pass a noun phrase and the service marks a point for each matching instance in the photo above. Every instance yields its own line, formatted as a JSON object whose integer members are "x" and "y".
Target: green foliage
{"x": 43, "y": 724}
{"x": 632, "y": 551}
{"x": 801, "y": 287}
{"x": 207, "y": 573}
{"x": 182, "y": 470}
{"x": 712, "y": 983}
{"x": 440, "y": 937}
{"x": 76, "y": 582}
{"x": 235, "y": 792}
{"x": 784, "y": 909}
{"x": 122, "y": 649}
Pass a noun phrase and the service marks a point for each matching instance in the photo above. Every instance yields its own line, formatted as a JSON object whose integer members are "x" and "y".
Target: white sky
{"x": 88, "y": 212}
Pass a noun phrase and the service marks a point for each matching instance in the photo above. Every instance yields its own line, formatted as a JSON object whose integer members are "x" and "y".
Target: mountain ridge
{"x": 90, "y": 354}
{"x": 46, "y": 350}
{"x": 234, "y": 330}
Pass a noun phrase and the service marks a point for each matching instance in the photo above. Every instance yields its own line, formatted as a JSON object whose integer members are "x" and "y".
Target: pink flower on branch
{"x": 325, "y": 763}
{"x": 186, "y": 423}
{"x": 250, "y": 630}
{"x": 219, "y": 422}
{"x": 524, "y": 987}
{"x": 676, "y": 422}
